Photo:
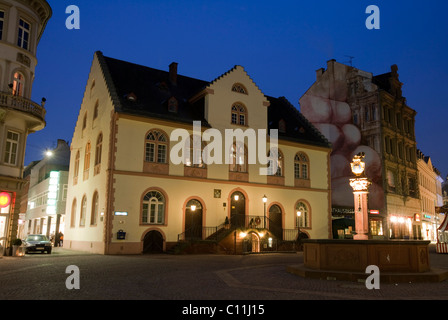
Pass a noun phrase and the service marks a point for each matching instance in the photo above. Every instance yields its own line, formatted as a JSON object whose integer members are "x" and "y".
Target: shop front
{"x": 6, "y": 201}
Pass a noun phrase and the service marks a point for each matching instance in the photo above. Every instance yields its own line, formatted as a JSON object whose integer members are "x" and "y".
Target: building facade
{"x": 360, "y": 112}
{"x": 22, "y": 24}
{"x": 47, "y": 193}
{"x": 133, "y": 188}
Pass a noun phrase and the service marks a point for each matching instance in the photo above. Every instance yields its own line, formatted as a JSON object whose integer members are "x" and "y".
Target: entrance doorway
{"x": 153, "y": 242}
{"x": 193, "y": 219}
{"x": 275, "y": 221}
{"x": 237, "y": 209}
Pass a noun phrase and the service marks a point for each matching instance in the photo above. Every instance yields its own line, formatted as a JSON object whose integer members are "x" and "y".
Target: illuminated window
{"x": 194, "y": 158}
{"x": 18, "y": 84}
{"x": 24, "y": 34}
{"x": 87, "y": 161}
{"x": 238, "y": 158}
{"x": 153, "y": 208}
{"x": 156, "y": 147}
{"x": 11, "y": 148}
{"x": 76, "y": 168}
{"x": 302, "y": 215}
{"x": 239, "y": 114}
{"x": 98, "y": 152}
{"x": 301, "y": 166}
{"x": 280, "y": 164}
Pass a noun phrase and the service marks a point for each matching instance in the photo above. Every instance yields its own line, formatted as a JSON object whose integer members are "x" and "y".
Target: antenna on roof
{"x": 350, "y": 60}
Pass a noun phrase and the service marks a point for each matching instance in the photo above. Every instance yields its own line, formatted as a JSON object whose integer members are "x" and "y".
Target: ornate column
{"x": 360, "y": 186}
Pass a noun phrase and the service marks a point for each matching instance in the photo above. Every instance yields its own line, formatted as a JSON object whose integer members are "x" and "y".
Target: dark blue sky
{"x": 279, "y": 43}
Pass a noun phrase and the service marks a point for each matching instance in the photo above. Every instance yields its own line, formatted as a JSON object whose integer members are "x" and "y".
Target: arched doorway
{"x": 153, "y": 242}
{"x": 193, "y": 219}
{"x": 237, "y": 209}
{"x": 275, "y": 221}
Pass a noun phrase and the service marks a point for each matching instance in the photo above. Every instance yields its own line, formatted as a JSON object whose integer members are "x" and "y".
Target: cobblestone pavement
{"x": 190, "y": 277}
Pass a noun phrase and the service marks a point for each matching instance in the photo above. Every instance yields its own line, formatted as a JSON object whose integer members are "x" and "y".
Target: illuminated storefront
{"x": 6, "y": 200}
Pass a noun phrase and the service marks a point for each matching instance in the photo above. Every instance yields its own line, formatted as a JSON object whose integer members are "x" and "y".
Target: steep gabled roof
{"x": 297, "y": 127}
{"x": 145, "y": 91}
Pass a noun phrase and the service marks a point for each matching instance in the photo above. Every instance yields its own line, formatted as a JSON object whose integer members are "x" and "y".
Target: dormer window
{"x": 173, "y": 105}
{"x": 282, "y": 126}
{"x": 238, "y": 87}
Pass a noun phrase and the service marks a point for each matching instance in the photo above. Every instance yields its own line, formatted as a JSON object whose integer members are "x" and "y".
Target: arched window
{"x": 153, "y": 208}
{"x": 98, "y": 151}
{"x": 156, "y": 147}
{"x": 238, "y": 158}
{"x": 76, "y": 169}
{"x": 87, "y": 161}
{"x": 84, "y": 121}
{"x": 18, "y": 84}
{"x": 280, "y": 164}
{"x": 95, "y": 110}
{"x": 82, "y": 217}
{"x": 239, "y": 114}
{"x": 194, "y": 158}
{"x": 302, "y": 215}
{"x": 301, "y": 166}
{"x": 238, "y": 87}
{"x": 95, "y": 204}
{"x": 73, "y": 214}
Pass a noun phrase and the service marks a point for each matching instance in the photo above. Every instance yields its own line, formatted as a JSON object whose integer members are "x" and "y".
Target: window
{"x": 279, "y": 160}
{"x": 73, "y": 214}
{"x": 24, "y": 34}
{"x": 95, "y": 110}
{"x": 153, "y": 208}
{"x": 82, "y": 217}
{"x": 87, "y": 161}
{"x": 238, "y": 87}
{"x": 2, "y": 19}
{"x": 156, "y": 147}
{"x": 301, "y": 166}
{"x": 172, "y": 105}
{"x": 282, "y": 126}
{"x": 94, "y": 217}
{"x": 238, "y": 158}
{"x": 239, "y": 114}
{"x": 76, "y": 169}
{"x": 84, "y": 121}
{"x": 194, "y": 158}
{"x": 11, "y": 148}
{"x": 302, "y": 215}
{"x": 98, "y": 151}
{"x": 18, "y": 84}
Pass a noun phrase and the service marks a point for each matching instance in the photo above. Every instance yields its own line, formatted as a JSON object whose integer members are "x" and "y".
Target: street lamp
{"x": 265, "y": 199}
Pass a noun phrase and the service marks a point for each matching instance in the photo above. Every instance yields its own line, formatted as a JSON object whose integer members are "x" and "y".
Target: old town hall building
{"x": 126, "y": 195}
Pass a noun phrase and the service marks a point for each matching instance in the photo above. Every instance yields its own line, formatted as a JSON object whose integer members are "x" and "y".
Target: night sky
{"x": 279, "y": 43}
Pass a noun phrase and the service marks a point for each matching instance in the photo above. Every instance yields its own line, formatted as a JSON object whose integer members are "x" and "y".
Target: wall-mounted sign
{"x": 374, "y": 211}
{"x": 121, "y": 213}
{"x": 416, "y": 217}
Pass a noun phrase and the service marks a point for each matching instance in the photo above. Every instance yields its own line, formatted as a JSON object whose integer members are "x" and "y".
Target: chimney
{"x": 319, "y": 73}
{"x": 173, "y": 73}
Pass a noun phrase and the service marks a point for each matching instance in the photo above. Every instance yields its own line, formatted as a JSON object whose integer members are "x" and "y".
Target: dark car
{"x": 37, "y": 242}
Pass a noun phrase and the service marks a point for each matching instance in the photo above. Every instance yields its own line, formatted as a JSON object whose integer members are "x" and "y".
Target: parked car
{"x": 37, "y": 242}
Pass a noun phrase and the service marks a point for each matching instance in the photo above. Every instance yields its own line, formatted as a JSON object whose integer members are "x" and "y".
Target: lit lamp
{"x": 193, "y": 207}
{"x": 265, "y": 200}
{"x": 236, "y": 197}
{"x": 360, "y": 185}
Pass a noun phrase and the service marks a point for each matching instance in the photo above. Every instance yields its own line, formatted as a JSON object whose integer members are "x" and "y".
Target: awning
{"x": 444, "y": 225}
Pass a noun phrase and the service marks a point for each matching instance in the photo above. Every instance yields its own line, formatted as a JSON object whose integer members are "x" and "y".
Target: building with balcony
{"x": 360, "y": 112}
{"x": 134, "y": 188}
{"x": 22, "y": 24}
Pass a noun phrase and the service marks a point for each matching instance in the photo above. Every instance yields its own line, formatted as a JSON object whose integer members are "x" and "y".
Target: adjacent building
{"x": 47, "y": 193}
{"x": 22, "y": 24}
{"x": 360, "y": 112}
{"x": 133, "y": 188}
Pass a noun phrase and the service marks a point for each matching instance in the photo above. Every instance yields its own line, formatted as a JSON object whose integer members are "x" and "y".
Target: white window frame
{"x": 22, "y": 31}
{"x": 10, "y": 156}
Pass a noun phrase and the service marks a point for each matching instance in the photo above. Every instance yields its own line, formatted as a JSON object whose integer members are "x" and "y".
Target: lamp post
{"x": 360, "y": 185}
{"x": 265, "y": 199}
